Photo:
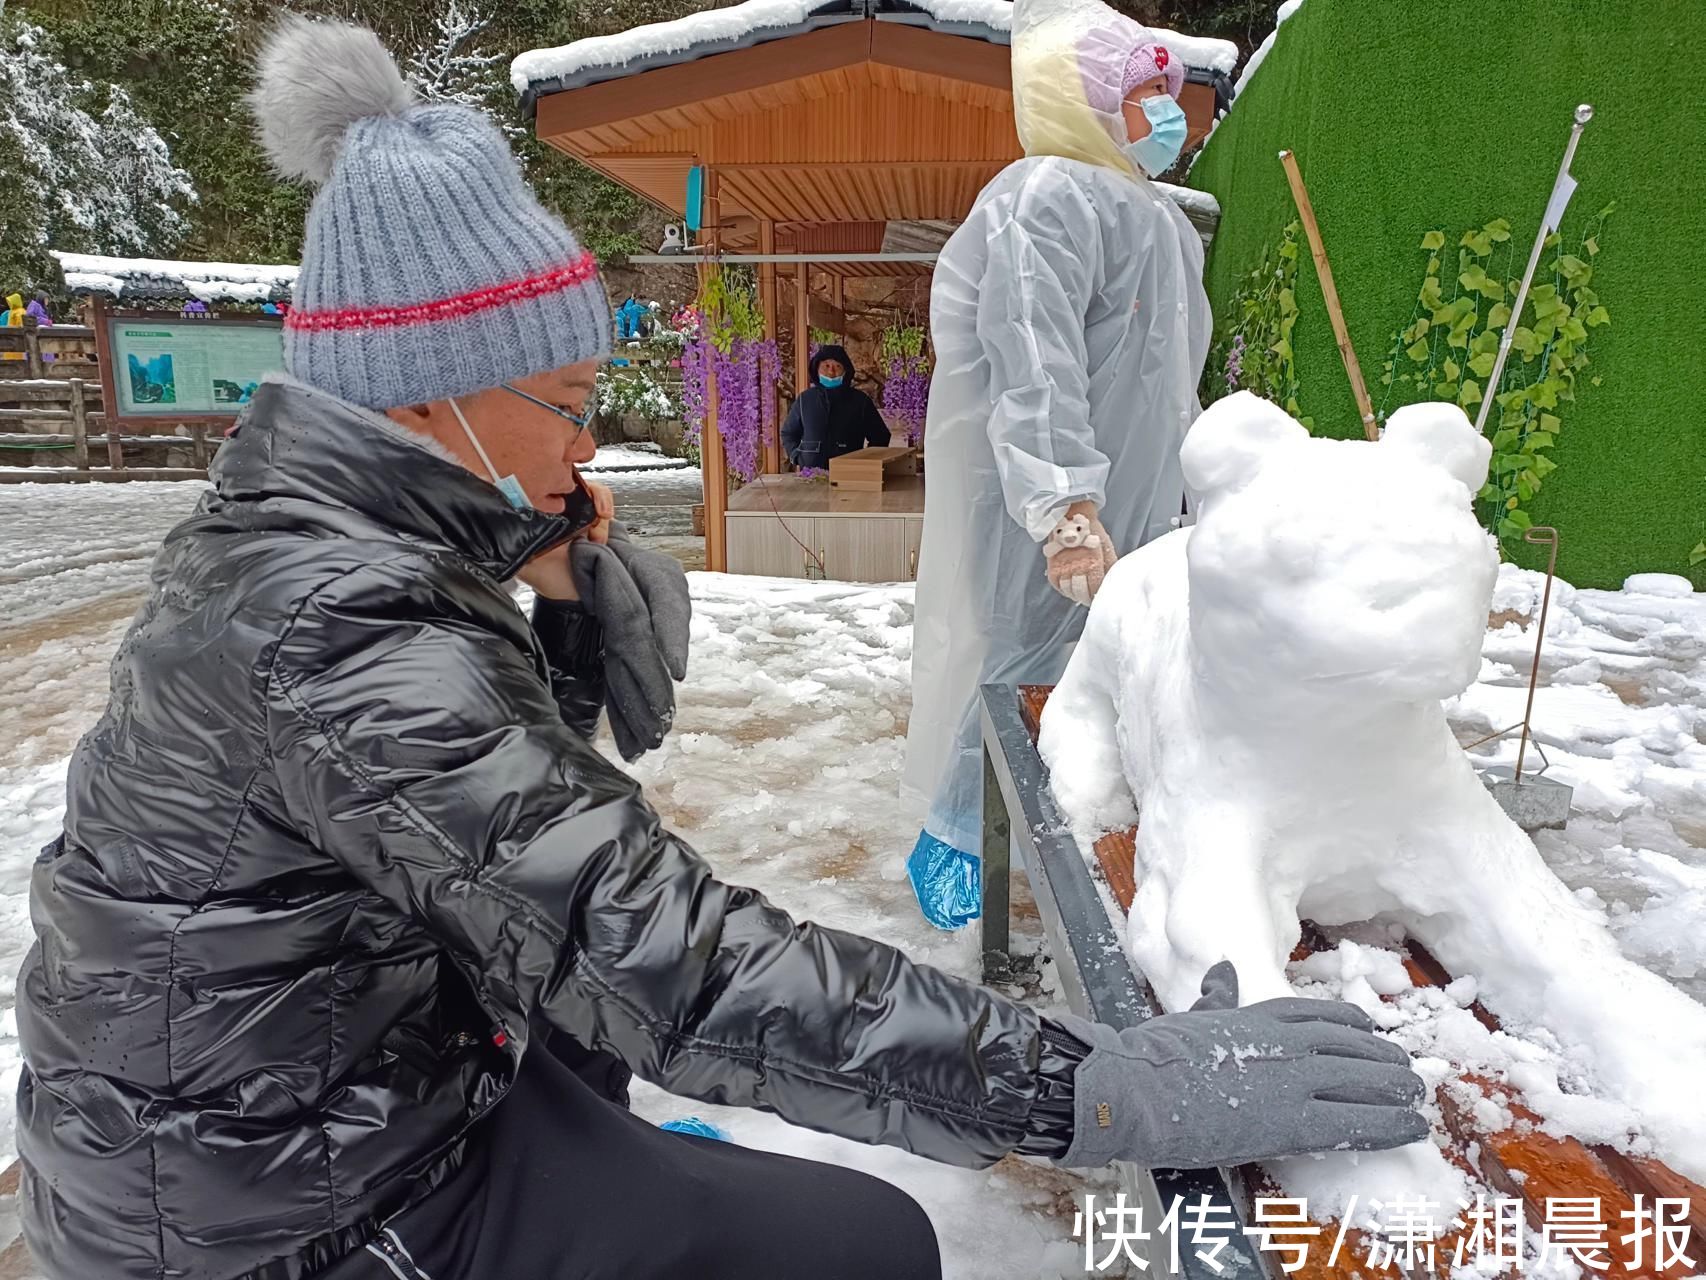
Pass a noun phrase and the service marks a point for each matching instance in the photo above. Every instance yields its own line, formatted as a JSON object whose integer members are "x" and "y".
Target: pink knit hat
{"x": 1148, "y": 61}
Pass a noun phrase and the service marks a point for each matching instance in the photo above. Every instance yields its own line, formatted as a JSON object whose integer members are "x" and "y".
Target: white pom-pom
{"x": 313, "y": 80}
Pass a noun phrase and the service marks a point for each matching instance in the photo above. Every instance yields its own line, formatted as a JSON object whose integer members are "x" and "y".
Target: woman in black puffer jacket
{"x": 352, "y": 936}
{"x": 831, "y": 416}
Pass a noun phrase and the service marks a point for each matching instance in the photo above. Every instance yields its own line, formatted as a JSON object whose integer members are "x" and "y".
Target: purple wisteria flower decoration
{"x": 746, "y": 376}
{"x": 906, "y": 395}
{"x": 1234, "y": 362}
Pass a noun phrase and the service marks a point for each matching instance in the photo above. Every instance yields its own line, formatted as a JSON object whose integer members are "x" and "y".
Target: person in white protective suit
{"x": 1071, "y": 326}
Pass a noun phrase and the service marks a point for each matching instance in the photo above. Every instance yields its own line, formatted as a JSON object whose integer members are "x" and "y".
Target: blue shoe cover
{"x": 947, "y": 881}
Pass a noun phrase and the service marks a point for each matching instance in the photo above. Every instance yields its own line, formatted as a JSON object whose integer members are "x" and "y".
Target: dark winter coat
{"x": 827, "y": 422}
{"x": 340, "y": 834}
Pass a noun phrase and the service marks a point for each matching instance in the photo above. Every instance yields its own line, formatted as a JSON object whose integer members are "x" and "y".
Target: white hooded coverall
{"x": 1071, "y": 326}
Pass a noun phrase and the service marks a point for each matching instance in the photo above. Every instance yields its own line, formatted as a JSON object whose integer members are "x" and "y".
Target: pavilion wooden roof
{"x": 829, "y": 134}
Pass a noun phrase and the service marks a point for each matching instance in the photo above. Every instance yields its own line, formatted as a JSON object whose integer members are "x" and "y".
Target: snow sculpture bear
{"x": 1264, "y": 688}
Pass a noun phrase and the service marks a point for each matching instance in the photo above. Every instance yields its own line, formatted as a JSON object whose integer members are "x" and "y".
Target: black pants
{"x": 563, "y": 1183}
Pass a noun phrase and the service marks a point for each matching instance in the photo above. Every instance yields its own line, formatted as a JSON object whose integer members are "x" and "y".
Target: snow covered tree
{"x": 84, "y": 170}
{"x": 453, "y": 64}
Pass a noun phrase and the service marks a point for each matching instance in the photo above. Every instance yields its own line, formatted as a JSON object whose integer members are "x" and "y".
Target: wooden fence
{"x": 51, "y": 405}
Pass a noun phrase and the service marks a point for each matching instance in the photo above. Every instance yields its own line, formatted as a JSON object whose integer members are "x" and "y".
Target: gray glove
{"x": 1220, "y": 1085}
{"x": 641, "y": 601}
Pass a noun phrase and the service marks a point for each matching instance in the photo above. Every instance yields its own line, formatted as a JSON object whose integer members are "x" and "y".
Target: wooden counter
{"x": 781, "y": 526}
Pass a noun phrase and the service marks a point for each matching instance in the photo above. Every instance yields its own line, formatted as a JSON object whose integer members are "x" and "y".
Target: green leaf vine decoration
{"x": 728, "y": 303}
{"x": 902, "y": 342}
{"x": 1448, "y": 349}
{"x": 1254, "y": 351}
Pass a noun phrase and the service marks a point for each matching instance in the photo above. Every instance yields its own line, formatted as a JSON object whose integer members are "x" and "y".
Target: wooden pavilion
{"x": 834, "y": 139}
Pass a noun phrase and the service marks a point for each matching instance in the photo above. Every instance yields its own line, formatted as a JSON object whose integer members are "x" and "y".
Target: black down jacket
{"x": 340, "y": 835}
{"x": 826, "y": 422}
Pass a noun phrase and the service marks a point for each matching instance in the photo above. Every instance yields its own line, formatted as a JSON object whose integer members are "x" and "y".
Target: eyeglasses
{"x": 580, "y": 421}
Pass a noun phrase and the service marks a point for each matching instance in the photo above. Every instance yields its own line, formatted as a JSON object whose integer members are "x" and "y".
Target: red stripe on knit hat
{"x": 579, "y": 271}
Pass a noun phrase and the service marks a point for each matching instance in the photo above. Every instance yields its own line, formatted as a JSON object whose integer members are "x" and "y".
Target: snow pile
{"x": 1621, "y": 718}
{"x": 659, "y": 39}
{"x": 1266, "y": 687}
{"x": 619, "y": 457}
{"x": 755, "y": 17}
{"x": 208, "y": 281}
{"x": 1191, "y": 201}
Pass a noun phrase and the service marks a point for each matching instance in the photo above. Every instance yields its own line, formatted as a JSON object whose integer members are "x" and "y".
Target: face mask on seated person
{"x": 1167, "y": 131}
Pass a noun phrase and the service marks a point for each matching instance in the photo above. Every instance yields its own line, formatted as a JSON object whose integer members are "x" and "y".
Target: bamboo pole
{"x": 1335, "y": 313}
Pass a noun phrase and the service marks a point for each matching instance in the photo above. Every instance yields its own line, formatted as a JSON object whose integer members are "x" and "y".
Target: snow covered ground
{"x": 624, "y": 458}
{"x": 784, "y": 767}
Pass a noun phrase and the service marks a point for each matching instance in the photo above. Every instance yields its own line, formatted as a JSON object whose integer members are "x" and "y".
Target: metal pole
{"x": 1584, "y": 113}
{"x": 1540, "y": 535}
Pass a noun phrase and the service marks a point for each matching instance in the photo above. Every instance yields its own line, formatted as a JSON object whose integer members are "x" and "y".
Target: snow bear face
{"x": 1325, "y": 569}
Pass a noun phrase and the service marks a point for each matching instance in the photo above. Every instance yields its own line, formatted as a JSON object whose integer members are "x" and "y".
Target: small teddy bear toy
{"x": 1079, "y": 576}
{"x": 1074, "y": 531}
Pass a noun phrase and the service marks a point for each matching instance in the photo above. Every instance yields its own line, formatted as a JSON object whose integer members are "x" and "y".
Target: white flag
{"x": 1560, "y": 200}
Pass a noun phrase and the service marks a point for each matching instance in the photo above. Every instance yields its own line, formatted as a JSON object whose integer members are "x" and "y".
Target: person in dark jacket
{"x": 352, "y": 938}
{"x": 831, "y": 416}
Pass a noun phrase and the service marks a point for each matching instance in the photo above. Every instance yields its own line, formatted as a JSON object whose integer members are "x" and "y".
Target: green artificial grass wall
{"x": 1410, "y": 117}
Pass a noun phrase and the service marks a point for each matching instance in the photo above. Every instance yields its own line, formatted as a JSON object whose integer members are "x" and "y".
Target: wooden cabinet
{"x": 863, "y": 548}
{"x": 914, "y": 544}
{"x": 860, "y": 537}
{"x": 762, "y": 545}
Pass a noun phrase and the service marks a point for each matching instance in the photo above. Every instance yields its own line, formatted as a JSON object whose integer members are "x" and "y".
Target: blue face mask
{"x": 831, "y": 383}
{"x": 1167, "y": 130}
{"x": 508, "y": 485}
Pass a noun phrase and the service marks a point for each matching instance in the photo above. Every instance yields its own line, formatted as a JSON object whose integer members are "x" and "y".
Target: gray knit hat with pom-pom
{"x": 429, "y": 269}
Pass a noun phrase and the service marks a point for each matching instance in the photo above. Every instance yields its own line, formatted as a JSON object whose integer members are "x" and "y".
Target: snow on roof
{"x": 764, "y": 19}
{"x": 162, "y": 277}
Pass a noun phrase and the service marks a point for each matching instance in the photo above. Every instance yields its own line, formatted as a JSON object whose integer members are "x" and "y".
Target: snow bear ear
{"x": 1225, "y": 448}
{"x": 1442, "y": 434}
